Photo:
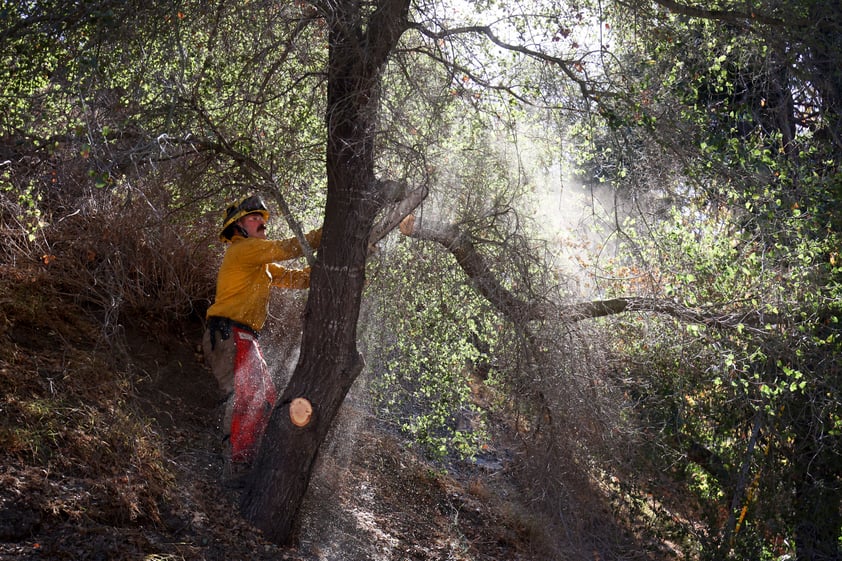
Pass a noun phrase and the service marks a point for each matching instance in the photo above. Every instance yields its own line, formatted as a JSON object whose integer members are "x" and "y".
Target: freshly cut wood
{"x": 300, "y": 412}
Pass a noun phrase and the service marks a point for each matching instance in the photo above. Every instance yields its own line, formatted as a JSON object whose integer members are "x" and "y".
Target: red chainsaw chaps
{"x": 254, "y": 397}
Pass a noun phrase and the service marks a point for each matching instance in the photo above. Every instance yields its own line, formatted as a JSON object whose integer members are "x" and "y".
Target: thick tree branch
{"x": 404, "y": 204}
{"x": 474, "y": 265}
{"x": 385, "y": 26}
{"x": 600, "y": 308}
{"x": 521, "y": 312}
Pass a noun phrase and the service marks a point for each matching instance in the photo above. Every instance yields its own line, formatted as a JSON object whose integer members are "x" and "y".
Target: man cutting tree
{"x": 248, "y": 272}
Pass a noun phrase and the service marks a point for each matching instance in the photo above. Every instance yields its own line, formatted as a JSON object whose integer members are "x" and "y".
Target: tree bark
{"x": 329, "y": 361}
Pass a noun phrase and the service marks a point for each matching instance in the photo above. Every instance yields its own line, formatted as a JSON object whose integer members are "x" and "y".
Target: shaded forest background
{"x": 619, "y": 293}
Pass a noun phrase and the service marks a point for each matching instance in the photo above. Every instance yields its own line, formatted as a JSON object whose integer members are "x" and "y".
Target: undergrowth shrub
{"x": 66, "y": 409}
{"x": 120, "y": 254}
{"x": 427, "y": 355}
{"x": 76, "y": 266}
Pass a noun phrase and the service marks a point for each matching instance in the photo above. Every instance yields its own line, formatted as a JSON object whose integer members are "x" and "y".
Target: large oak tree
{"x": 360, "y": 39}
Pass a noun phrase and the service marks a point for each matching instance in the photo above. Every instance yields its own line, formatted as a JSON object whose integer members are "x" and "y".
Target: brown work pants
{"x": 242, "y": 374}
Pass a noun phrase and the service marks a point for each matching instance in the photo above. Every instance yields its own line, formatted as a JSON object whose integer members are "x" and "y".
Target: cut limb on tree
{"x": 300, "y": 412}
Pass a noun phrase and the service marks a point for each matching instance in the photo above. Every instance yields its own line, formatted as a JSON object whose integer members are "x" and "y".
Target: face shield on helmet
{"x": 249, "y": 205}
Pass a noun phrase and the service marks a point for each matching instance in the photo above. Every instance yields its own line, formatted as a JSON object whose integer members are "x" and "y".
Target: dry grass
{"x": 67, "y": 289}
{"x": 66, "y": 411}
{"x": 117, "y": 253}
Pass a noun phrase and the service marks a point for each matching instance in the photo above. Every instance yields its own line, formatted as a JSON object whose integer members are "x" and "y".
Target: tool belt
{"x": 222, "y": 326}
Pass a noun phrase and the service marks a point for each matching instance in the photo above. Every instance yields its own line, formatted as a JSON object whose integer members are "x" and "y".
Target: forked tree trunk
{"x": 329, "y": 361}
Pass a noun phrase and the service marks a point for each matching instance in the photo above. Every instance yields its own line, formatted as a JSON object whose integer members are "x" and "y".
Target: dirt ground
{"x": 370, "y": 498}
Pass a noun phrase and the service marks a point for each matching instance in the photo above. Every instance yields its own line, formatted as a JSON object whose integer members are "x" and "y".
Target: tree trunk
{"x": 817, "y": 481}
{"x": 329, "y": 361}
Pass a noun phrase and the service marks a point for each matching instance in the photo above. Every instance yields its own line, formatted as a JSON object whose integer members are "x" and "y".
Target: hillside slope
{"x": 110, "y": 450}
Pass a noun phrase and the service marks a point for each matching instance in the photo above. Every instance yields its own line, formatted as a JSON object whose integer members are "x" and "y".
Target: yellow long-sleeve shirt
{"x": 248, "y": 272}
